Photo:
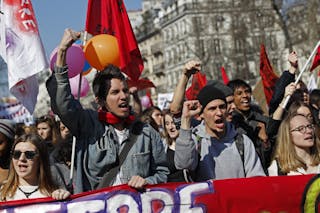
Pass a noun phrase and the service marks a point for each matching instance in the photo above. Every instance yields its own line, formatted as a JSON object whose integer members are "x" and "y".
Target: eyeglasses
{"x": 302, "y": 129}
{"x": 30, "y": 155}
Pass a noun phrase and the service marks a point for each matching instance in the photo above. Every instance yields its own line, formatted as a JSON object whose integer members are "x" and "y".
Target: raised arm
{"x": 286, "y": 78}
{"x": 189, "y": 69}
{"x": 186, "y": 154}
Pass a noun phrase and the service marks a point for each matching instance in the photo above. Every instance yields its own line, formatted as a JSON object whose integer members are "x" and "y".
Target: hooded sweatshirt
{"x": 213, "y": 158}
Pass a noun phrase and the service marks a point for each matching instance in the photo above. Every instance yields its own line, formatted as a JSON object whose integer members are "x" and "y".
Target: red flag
{"x": 224, "y": 76}
{"x": 110, "y": 17}
{"x": 148, "y": 94}
{"x": 141, "y": 84}
{"x": 268, "y": 77}
{"x": 316, "y": 60}
{"x": 198, "y": 82}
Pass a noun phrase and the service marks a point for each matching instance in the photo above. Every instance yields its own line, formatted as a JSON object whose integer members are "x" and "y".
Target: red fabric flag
{"x": 110, "y": 17}
{"x": 141, "y": 84}
{"x": 316, "y": 60}
{"x": 148, "y": 94}
{"x": 268, "y": 77}
{"x": 198, "y": 82}
{"x": 224, "y": 76}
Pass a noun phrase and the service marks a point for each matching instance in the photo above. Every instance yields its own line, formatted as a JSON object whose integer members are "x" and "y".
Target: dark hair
{"x": 52, "y": 124}
{"x": 62, "y": 152}
{"x": 146, "y": 116}
{"x": 314, "y": 97}
{"x": 236, "y": 83}
{"x": 102, "y": 81}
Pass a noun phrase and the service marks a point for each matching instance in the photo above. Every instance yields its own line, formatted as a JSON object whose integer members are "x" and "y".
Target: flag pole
{"x": 74, "y": 140}
{"x": 302, "y": 71}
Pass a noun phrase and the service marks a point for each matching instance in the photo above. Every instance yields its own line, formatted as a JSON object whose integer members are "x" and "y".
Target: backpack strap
{"x": 240, "y": 146}
{"x": 110, "y": 175}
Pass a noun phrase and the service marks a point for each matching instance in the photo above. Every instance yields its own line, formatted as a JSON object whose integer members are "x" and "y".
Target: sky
{"x": 53, "y": 16}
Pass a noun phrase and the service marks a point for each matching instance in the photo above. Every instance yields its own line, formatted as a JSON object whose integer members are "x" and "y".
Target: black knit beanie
{"x": 221, "y": 86}
{"x": 208, "y": 94}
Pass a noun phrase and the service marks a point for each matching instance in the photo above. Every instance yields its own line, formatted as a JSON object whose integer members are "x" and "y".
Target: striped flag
{"x": 24, "y": 54}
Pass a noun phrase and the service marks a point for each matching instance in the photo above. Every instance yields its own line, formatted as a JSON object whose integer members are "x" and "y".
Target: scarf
{"x": 110, "y": 118}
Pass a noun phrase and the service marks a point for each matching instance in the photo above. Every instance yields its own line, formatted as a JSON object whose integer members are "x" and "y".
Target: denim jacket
{"x": 97, "y": 143}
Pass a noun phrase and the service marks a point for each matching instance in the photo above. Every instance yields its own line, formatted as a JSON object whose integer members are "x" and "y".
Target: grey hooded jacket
{"x": 219, "y": 159}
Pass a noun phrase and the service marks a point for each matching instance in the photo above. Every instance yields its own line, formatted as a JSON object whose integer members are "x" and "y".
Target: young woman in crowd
{"x": 297, "y": 147}
{"x": 7, "y": 132}
{"x": 170, "y": 135}
{"x": 47, "y": 129}
{"x": 153, "y": 116}
{"x": 29, "y": 174}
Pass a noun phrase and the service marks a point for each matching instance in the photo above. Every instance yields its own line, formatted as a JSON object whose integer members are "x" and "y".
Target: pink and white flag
{"x": 25, "y": 54}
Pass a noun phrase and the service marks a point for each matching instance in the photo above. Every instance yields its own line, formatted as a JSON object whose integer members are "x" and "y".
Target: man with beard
{"x": 248, "y": 119}
{"x": 102, "y": 135}
{"x": 210, "y": 149}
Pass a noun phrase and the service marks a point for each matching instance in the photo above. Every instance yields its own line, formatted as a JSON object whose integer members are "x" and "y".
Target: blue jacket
{"x": 97, "y": 145}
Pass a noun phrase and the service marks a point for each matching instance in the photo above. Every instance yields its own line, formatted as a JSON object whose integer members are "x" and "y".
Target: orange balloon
{"x": 102, "y": 50}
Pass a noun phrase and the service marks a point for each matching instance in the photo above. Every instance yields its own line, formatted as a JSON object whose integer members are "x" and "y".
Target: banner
{"x": 164, "y": 100}
{"x": 25, "y": 55}
{"x": 264, "y": 194}
{"x": 15, "y": 111}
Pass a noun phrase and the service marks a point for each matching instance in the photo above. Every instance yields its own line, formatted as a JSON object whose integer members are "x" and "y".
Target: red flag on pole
{"x": 224, "y": 76}
{"x": 316, "y": 60}
{"x": 198, "y": 82}
{"x": 141, "y": 84}
{"x": 110, "y": 17}
{"x": 268, "y": 77}
{"x": 148, "y": 94}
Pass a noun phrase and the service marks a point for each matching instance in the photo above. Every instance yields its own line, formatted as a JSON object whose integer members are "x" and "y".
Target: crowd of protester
{"x": 221, "y": 134}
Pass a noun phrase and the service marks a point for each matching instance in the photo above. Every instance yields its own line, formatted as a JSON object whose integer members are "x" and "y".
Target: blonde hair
{"x": 285, "y": 153}
{"x": 46, "y": 184}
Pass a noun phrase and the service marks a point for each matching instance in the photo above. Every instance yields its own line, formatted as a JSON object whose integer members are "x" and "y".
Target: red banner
{"x": 263, "y": 194}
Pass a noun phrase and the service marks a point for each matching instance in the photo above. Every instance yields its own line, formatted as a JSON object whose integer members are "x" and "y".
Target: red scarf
{"x": 110, "y": 118}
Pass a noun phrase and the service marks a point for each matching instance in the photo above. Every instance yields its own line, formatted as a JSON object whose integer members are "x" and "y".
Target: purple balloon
{"x": 75, "y": 60}
{"x": 74, "y": 85}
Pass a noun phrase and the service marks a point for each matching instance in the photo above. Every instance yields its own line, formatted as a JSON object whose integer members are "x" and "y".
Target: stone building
{"x": 219, "y": 33}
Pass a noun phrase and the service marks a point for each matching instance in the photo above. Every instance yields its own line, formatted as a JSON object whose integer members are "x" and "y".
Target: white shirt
{"x": 122, "y": 134}
{"x": 273, "y": 170}
{"x": 19, "y": 195}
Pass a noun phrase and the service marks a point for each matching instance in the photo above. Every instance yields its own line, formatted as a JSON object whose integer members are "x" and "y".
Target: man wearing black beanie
{"x": 210, "y": 150}
{"x": 228, "y": 92}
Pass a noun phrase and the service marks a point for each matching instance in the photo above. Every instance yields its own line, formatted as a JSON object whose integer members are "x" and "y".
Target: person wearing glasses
{"x": 7, "y": 133}
{"x": 297, "y": 148}
{"x": 29, "y": 174}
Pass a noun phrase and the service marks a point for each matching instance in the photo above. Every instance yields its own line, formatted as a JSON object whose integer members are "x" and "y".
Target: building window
{"x": 216, "y": 46}
{"x": 239, "y": 45}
